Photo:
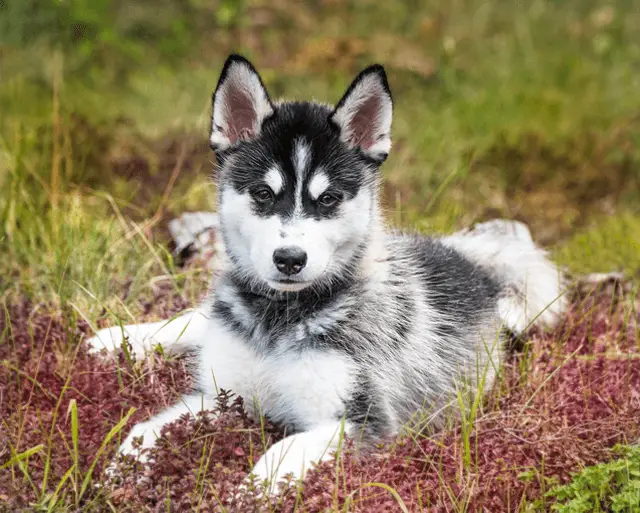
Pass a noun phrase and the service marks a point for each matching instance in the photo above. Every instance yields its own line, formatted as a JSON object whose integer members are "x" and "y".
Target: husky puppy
{"x": 322, "y": 320}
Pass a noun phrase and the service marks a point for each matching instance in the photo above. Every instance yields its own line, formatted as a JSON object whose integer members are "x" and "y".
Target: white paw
{"x": 288, "y": 461}
{"x": 139, "y": 452}
{"x": 112, "y": 339}
{"x": 149, "y": 433}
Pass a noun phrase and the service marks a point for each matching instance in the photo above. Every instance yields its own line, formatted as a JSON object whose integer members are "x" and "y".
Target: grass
{"x": 529, "y": 111}
{"x": 611, "y": 244}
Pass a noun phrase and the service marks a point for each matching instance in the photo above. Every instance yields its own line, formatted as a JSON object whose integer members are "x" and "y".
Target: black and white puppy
{"x": 321, "y": 319}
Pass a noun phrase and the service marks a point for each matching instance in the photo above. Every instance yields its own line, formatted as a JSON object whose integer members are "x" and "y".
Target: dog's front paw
{"x": 285, "y": 463}
{"x": 136, "y": 445}
{"x": 112, "y": 339}
{"x": 142, "y": 437}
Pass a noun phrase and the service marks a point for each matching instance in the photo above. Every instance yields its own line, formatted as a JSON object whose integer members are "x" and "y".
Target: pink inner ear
{"x": 364, "y": 123}
{"x": 240, "y": 115}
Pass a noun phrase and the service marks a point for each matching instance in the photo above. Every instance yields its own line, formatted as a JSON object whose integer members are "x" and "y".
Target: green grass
{"x": 501, "y": 109}
{"x": 612, "y": 244}
{"x": 611, "y": 486}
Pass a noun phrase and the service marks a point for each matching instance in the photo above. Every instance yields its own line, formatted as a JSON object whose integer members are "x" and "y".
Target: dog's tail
{"x": 533, "y": 287}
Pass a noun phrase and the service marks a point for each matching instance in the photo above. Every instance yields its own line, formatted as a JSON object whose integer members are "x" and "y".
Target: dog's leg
{"x": 149, "y": 430}
{"x": 296, "y": 454}
{"x": 224, "y": 363}
{"x": 172, "y": 334}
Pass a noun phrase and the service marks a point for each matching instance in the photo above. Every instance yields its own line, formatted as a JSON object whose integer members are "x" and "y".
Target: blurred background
{"x": 527, "y": 110}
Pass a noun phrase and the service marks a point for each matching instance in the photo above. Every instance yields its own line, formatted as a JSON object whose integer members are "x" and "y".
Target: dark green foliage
{"x": 117, "y": 33}
{"x": 612, "y": 486}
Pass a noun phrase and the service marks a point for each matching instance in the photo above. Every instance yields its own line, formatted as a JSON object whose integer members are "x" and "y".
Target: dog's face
{"x": 297, "y": 184}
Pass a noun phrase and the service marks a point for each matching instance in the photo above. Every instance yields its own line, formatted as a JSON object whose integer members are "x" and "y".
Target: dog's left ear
{"x": 240, "y": 104}
{"x": 364, "y": 113}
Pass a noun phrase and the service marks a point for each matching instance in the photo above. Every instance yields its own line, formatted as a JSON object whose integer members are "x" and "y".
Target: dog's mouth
{"x": 288, "y": 285}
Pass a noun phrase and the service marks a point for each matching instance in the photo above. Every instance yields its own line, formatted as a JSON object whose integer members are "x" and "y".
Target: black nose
{"x": 289, "y": 260}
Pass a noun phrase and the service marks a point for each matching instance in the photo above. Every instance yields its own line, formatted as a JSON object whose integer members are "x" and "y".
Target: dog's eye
{"x": 263, "y": 195}
{"x": 327, "y": 200}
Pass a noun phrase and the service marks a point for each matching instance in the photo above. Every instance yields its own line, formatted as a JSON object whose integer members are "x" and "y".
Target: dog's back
{"x": 430, "y": 317}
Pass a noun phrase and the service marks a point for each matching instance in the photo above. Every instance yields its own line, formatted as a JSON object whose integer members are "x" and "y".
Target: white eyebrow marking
{"x": 318, "y": 184}
{"x": 274, "y": 180}
{"x": 300, "y": 158}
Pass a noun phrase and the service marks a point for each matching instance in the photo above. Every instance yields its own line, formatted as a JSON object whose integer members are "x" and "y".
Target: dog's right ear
{"x": 364, "y": 114}
{"x": 240, "y": 104}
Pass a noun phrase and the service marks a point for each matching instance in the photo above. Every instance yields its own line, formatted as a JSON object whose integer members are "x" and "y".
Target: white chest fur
{"x": 295, "y": 388}
{"x": 303, "y": 388}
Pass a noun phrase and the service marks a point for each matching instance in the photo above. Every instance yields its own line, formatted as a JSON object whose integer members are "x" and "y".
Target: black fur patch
{"x": 402, "y": 323}
{"x": 365, "y": 411}
{"x": 223, "y": 310}
{"x": 459, "y": 289}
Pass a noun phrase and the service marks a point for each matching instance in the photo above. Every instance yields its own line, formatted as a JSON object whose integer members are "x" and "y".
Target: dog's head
{"x": 297, "y": 184}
